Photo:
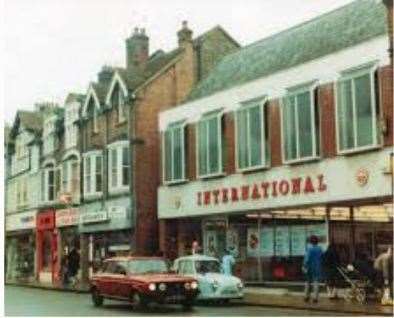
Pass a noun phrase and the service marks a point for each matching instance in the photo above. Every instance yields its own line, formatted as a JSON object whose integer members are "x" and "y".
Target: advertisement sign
{"x": 253, "y": 242}
{"x": 21, "y": 221}
{"x": 212, "y": 243}
{"x": 298, "y": 240}
{"x": 282, "y": 241}
{"x": 267, "y": 241}
{"x": 233, "y": 240}
{"x": 94, "y": 217}
{"x": 67, "y": 217}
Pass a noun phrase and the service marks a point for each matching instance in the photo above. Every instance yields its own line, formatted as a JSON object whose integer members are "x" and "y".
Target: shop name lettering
{"x": 263, "y": 190}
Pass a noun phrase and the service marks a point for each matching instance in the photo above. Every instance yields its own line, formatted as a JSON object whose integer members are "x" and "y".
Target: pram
{"x": 360, "y": 287}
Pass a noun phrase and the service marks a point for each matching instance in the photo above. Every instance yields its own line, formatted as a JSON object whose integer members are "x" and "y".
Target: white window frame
{"x": 292, "y": 92}
{"x": 179, "y": 124}
{"x": 350, "y": 74}
{"x": 120, "y": 106}
{"x": 262, "y": 103}
{"x": 67, "y": 187}
{"x": 118, "y": 147}
{"x": 45, "y": 196}
{"x": 93, "y": 155}
{"x": 218, "y": 114}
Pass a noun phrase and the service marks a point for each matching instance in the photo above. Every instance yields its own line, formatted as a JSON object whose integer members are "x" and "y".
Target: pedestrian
{"x": 195, "y": 247}
{"x": 73, "y": 263}
{"x": 228, "y": 262}
{"x": 384, "y": 266}
{"x": 64, "y": 270}
{"x": 330, "y": 263}
{"x": 312, "y": 269}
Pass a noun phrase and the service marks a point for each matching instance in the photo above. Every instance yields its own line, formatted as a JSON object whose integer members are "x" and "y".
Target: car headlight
{"x": 215, "y": 284}
{"x": 152, "y": 286}
{"x": 194, "y": 285}
{"x": 187, "y": 286}
{"x": 162, "y": 287}
{"x": 240, "y": 285}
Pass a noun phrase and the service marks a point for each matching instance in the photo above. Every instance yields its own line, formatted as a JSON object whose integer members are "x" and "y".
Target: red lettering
{"x": 207, "y": 197}
{"x": 216, "y": 196}
{"x": 199, "y": 198}
{"x": 255, "y": 192}
{"x": 234, "y": 194}
{"x": 284, "y": 187}
{"x": 274, "y": 190}
{"x": 245, "y": 192}
{"x": 296, "y": 186}
{"x": 265, "y": 186}
{"x": 225, "y": 195}
{"x": 308, "y": 187}
{"x": 322, "y": 186}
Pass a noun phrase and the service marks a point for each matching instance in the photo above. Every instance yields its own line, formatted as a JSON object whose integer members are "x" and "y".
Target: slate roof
{"x": 344, "y": 27}
{"x": 31, "y": 120}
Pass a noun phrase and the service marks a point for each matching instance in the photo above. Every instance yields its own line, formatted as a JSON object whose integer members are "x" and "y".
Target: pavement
{"x": 24, "y": 301}
{"x": 278, "y": 298}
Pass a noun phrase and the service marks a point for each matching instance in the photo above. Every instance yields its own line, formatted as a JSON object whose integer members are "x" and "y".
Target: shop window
{"x": 93, "y": 170}
{"x": 357, "y": 110}
{"x": 119, "y": 164}
{"x": 174, "y": 153}
{"x": 300, "y": 124}
{"x": 209, "y": 136}
{"x": 252, "y": 135}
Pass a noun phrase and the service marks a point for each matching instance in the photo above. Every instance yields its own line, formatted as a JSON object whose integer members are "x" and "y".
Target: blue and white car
{"x": 212, "y": 283}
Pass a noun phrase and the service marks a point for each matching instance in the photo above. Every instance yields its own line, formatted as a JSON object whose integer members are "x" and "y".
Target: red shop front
{"x": 46, "y": 243}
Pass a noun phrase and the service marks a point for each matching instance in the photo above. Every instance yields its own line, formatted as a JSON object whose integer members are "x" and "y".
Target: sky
{"x": 53, "y": 47}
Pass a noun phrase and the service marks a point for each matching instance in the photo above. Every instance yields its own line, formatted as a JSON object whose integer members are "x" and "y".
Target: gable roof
{"x": 347, "y": 26}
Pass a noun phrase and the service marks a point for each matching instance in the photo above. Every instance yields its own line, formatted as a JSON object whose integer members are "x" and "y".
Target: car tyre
{"x": 138, "y": 301}
{"x": 97, "y": 299}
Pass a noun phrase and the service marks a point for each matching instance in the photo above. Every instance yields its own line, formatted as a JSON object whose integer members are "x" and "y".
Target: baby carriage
{"x": 361, "y": 287}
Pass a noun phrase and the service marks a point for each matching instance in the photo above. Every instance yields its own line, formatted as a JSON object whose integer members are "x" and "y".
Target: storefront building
{"x": 263, "y": 156}
{"x": 20, "y": 246}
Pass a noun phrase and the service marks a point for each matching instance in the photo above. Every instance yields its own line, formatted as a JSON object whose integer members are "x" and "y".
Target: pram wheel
{"x": 361, "y": 296}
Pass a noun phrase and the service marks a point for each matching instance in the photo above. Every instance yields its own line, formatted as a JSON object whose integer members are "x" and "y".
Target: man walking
{"x": 228, "y": 262}
{"x": 312, "y": 269}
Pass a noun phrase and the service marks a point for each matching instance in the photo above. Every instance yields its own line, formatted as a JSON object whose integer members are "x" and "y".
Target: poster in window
{"x": 212, "y": 243}
{"x": 233, "y": 241}
{"x": 282, "y": 241}
{"x": 267, "y": 241}
{"x": 298, "y": 240}
{"x": 253, "y": 242}
{"x": 320, "y": 230}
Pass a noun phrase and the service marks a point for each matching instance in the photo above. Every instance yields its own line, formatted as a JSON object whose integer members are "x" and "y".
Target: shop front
{"x": 46, "y": 244}
{"x": 107, "y": 228}
{"x": 266, "y": 218}
{"x": 20, "y": 246}
{"x": 67, "y": 221}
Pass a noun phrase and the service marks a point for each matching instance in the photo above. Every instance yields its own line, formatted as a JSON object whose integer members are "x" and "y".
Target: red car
{"x": 142, "y": 280}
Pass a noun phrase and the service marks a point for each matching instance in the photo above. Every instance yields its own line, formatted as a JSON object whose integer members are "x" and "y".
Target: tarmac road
{"x": 25, "y": 301}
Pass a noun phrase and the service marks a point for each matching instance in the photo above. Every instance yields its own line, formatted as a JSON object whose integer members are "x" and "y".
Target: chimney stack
{"x": 389, "y": 7}
{"x": 137, "y": 49}
{"x": 105, "y": 75}
{"x": 185, "y": 35}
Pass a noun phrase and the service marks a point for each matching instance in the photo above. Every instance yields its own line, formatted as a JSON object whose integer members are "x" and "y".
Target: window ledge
{"x": 175, "y": 182}
{"x": 119, "y": 190}
{"x": 92, "y": 196}
{"x": 252, "y": 169}
{"x": 212, "y": 176}
{"x": 358, "y": 150}
{"x": 301, "y": 160}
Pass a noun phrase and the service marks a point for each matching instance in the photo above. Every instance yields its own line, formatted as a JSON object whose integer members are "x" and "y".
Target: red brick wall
{"x": 229, "y": 143}
{"x": 275, "y": 132}
{"x": 326, "y": 107}
{"x": 385, "y": 76}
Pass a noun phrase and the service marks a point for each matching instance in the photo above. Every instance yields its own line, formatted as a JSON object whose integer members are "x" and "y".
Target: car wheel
{"x": 97, "y": 298}
{"x": 139, "y": 301}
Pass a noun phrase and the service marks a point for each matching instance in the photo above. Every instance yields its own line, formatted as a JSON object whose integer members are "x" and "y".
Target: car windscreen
{"x": 147, "y": 266}
{"x": 207, "y": 266}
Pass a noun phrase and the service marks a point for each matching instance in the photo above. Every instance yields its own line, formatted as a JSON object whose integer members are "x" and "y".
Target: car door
{"x": 105, "y": 279}
{"x": 121, "y": 283}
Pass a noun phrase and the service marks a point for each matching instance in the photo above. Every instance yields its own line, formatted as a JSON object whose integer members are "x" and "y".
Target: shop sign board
{"x": 67, "y": 217}
{"x": 21, "y": 221}
{"x": 94, "y": 217}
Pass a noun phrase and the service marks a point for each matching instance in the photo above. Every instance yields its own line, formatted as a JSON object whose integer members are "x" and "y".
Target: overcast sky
{"x": 53, "y": 47}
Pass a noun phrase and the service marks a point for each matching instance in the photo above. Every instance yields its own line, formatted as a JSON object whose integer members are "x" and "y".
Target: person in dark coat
{"x": 330, "y": 262}
{"x": 73, "y": 263}
{"x": 312, "y": 268}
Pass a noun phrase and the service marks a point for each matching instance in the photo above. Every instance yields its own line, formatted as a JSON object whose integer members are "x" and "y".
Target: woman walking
{"x": 312, "y": 269}
{"x": 330, "y": 263}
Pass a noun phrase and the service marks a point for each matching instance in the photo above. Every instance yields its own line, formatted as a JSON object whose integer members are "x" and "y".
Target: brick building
{"x": 120, "y": 139}
{"x": 287, "y": 137}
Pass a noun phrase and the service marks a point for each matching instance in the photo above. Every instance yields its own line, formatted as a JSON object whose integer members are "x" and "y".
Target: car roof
{"x": 132, "y": 258}
{"x": 198, "y": 257}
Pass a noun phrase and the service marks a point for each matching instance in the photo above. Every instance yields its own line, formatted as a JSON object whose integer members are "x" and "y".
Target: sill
{"x": 301, "y": 160}
{"x": 359, "y": 149}
{"x": 122, "y": 189}
{"x": 252, "y": 169}
{"x": 175, "y": 182}
{"x": 211, "y": 176}
{"x": 92, "y": 196}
